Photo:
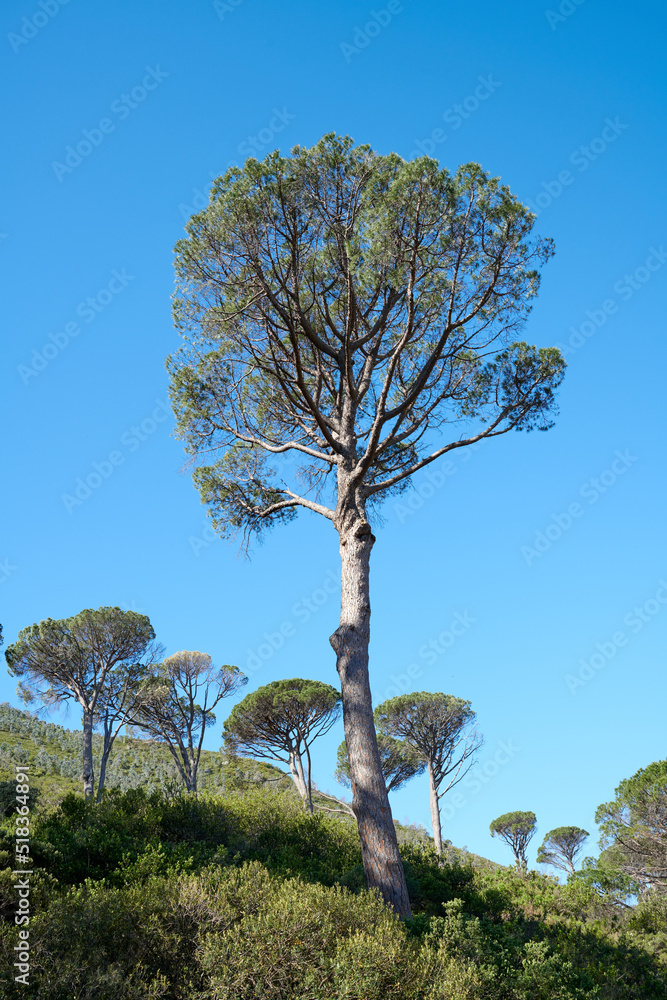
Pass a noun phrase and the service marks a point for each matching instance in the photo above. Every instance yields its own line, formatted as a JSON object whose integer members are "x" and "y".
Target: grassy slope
{"x": 134, "y": 763}
{"x": 137, "y": 763}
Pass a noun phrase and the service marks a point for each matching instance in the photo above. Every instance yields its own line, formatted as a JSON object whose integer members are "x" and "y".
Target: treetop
{"x": 339, "y": 304}
{"x": 280, "y": 709}
{"x": 513, "y": 822}
{"x": 563, "y": 833}
{"x": 296, "y": 689}
{"x": 422, "y": 710}
{"x": 91, "y": 642}
{"x": 639, "y": 802}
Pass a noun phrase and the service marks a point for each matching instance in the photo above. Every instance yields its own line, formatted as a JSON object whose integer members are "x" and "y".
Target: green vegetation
{"x": 234, "y": 891}
{"x": 281, "y": 721}
{"x": 516, "y": 829}
{"x": 54, "y": 756}
{"x": 168, "y": 707}
{"x": 400, "y": 763}
{"x": 245, "y": 895}
{"x": 85, "y": 659}
{"x": 439, "y": 728}
{"x": 561, "y": 846}
{"x": 634, "y": 827}
{"x": 239, "y": 893}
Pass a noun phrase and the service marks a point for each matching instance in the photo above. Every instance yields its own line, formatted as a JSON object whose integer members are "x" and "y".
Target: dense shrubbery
{"x": 80, "y": 840}
{"x": 247, "y": 896}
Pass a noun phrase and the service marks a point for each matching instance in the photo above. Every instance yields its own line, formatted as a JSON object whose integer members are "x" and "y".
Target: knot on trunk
{"x": 363, "y": 530}
{"x": 337, "y": 637}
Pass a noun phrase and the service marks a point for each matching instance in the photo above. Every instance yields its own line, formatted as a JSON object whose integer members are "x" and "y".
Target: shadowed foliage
{"x": 400, "y": 763}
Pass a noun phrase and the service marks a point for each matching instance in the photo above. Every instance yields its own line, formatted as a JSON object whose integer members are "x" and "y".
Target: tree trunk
{"x": 88, "y": 776}
{"x": 309, "y": 782}
{"x": 109, "y": 739}
{"x": 181, "y": 762}
{"x": 298, "y": 777}
{"x": 103, "y": 772}
{"x": 379, "y": 847}
{"x": 435, "y": 810}
{"x": 191, "y": 770}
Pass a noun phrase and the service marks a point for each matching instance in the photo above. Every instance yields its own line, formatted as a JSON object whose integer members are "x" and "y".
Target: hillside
{"x": 54, "y": 755}
{"x": 242, "y": 895}
{"x": 239, "y": 894}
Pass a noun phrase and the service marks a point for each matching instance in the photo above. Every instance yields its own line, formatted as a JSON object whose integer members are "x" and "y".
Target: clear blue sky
{"x": 568, "y": 108}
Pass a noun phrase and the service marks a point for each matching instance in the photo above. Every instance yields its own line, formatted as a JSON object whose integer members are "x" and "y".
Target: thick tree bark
{"x": 109, "y": 740}
{"x": 435, "y": 810}
{"x": 88, "y": 776}
{"x": 379, "y": 847}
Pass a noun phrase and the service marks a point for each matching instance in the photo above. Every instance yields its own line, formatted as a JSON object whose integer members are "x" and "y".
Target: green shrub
{"x": 81, "y": 840}
{"x": 291, "y": 945}
{"x": 98, "y": 943}
{"x": 247, "y": 896}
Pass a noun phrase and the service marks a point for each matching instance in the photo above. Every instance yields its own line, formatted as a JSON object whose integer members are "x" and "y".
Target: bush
{"x": 248, "y": 896}
{"x": 82, "y": 840}
{"x": 313, "y": 941}
{"x": 98, "y": 943}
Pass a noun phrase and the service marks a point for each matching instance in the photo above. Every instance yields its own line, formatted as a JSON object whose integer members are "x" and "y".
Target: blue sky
{"x": 545, "y": 551}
